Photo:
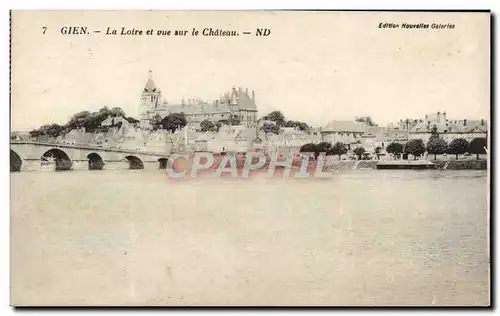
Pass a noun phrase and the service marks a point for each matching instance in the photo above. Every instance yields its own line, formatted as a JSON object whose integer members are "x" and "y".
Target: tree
{"x": 234, "y": 120}
{"x": 132, "y": 120}
{"x": 174, "y": 121}
{"x": 77, "y": 120}
{"x": 359, "y": 151}
{"x": 44, "y": 129}
{"x": 54, "y": 130}
{"x": 458, "y": 146}
{"x": 277, "y": 117}
{"x": 366, "y": 119}
{"x": 157, "y": 122}
{"x": 220, "y": 123}
{"x": 297, "y": 124}
{"x": 436, "y": 145}
{"x": 93, "y": 122}
{"x": 323, "y": 147}
{"x": 395, "y": 148}
{"x": 378, "y": 151}
{"x": 35, "y": 133}
{"x": 477, "y": 146}
{"x": 303, "y": 126}
{"x": 117, "y": 111}
{"x": 207, "y": 126}
{"x": 270, "y": 128}
{"x": 415, "y": 147}
{"x": 308, "y": 148}
{"x": 339, "y": 149}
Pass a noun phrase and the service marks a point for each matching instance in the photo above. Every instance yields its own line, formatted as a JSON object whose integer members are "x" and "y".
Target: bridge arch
{"x": 15, "y": 161}
{"x": 61, "y": 158}
{"x": 134, "y": 162}
{"x": 95, "y": 161}
{"x": 163, "y": 163}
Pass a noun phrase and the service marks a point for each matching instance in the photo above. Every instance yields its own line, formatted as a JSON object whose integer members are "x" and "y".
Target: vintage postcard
{"x": 250, "y": 158}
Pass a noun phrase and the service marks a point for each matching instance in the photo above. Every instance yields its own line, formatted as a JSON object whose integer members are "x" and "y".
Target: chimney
{"x": 426, "y": 117}
{"x": 465, "y": 122}
{"x": 253, "y": 96}
{"x": 444, "y": 116}
{"x": 216, "y": 103}
{"x": 438, "y": 116}
{"x": 482, "y": 122}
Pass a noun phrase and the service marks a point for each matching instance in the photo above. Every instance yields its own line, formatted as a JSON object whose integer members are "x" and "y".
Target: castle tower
{"x": 150, "y": 99}
{"x": 233, "y": 102}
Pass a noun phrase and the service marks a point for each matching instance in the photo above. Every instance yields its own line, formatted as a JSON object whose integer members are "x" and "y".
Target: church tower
{"x": 150, "y": 99}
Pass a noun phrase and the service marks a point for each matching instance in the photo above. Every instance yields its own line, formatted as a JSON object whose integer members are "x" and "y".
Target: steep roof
{"x": 345, "y": 126}
{"x": 150, "y": 84}
{"x": 203, "y": 108}
{"x": 246, "y": 103}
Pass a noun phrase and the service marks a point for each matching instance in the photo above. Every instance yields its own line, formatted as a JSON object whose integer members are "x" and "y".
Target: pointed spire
{"x": 150, "y": 84}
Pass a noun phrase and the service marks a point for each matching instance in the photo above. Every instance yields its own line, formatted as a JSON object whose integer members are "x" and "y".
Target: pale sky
{"x": 315, "y": 66}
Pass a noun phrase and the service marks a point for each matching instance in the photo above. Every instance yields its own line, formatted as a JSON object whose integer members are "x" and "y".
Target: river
{"x": 361, "y": 238}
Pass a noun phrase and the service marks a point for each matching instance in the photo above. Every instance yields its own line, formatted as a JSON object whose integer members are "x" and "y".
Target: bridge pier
{"x": 31, "y": 165}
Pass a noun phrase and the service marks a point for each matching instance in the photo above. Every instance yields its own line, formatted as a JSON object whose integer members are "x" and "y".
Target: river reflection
{"x": 360, "y": 238}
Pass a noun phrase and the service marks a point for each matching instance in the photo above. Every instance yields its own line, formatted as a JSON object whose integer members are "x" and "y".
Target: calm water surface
{"x": 360, "y": 238}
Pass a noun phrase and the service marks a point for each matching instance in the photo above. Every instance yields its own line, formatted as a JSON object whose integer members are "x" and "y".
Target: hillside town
{"x": 232, "y": 124}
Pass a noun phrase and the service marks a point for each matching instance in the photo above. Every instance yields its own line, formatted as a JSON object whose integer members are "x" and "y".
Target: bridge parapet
{"x": 78, "y": 157}
{"x": 92, "y": 148}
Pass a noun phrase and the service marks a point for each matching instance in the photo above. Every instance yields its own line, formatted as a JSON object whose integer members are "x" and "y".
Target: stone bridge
{"x": 26, "y": 156}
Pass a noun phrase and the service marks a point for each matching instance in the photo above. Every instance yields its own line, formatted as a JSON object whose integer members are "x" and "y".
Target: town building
{"x": 237, "y": 103}
{"x": 347, "y": 132}
{"x": 448, "y": 129}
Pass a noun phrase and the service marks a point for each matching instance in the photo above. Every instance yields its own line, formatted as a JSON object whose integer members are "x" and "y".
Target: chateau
{"x": 235, "y": 104}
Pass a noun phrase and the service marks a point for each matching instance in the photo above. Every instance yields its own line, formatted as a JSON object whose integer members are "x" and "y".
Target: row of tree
{"x": 338, "y": 149}
{"x": 91, "y": 121}
{"x": 415, "y": 147}
{"x": 438, "y": 146}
